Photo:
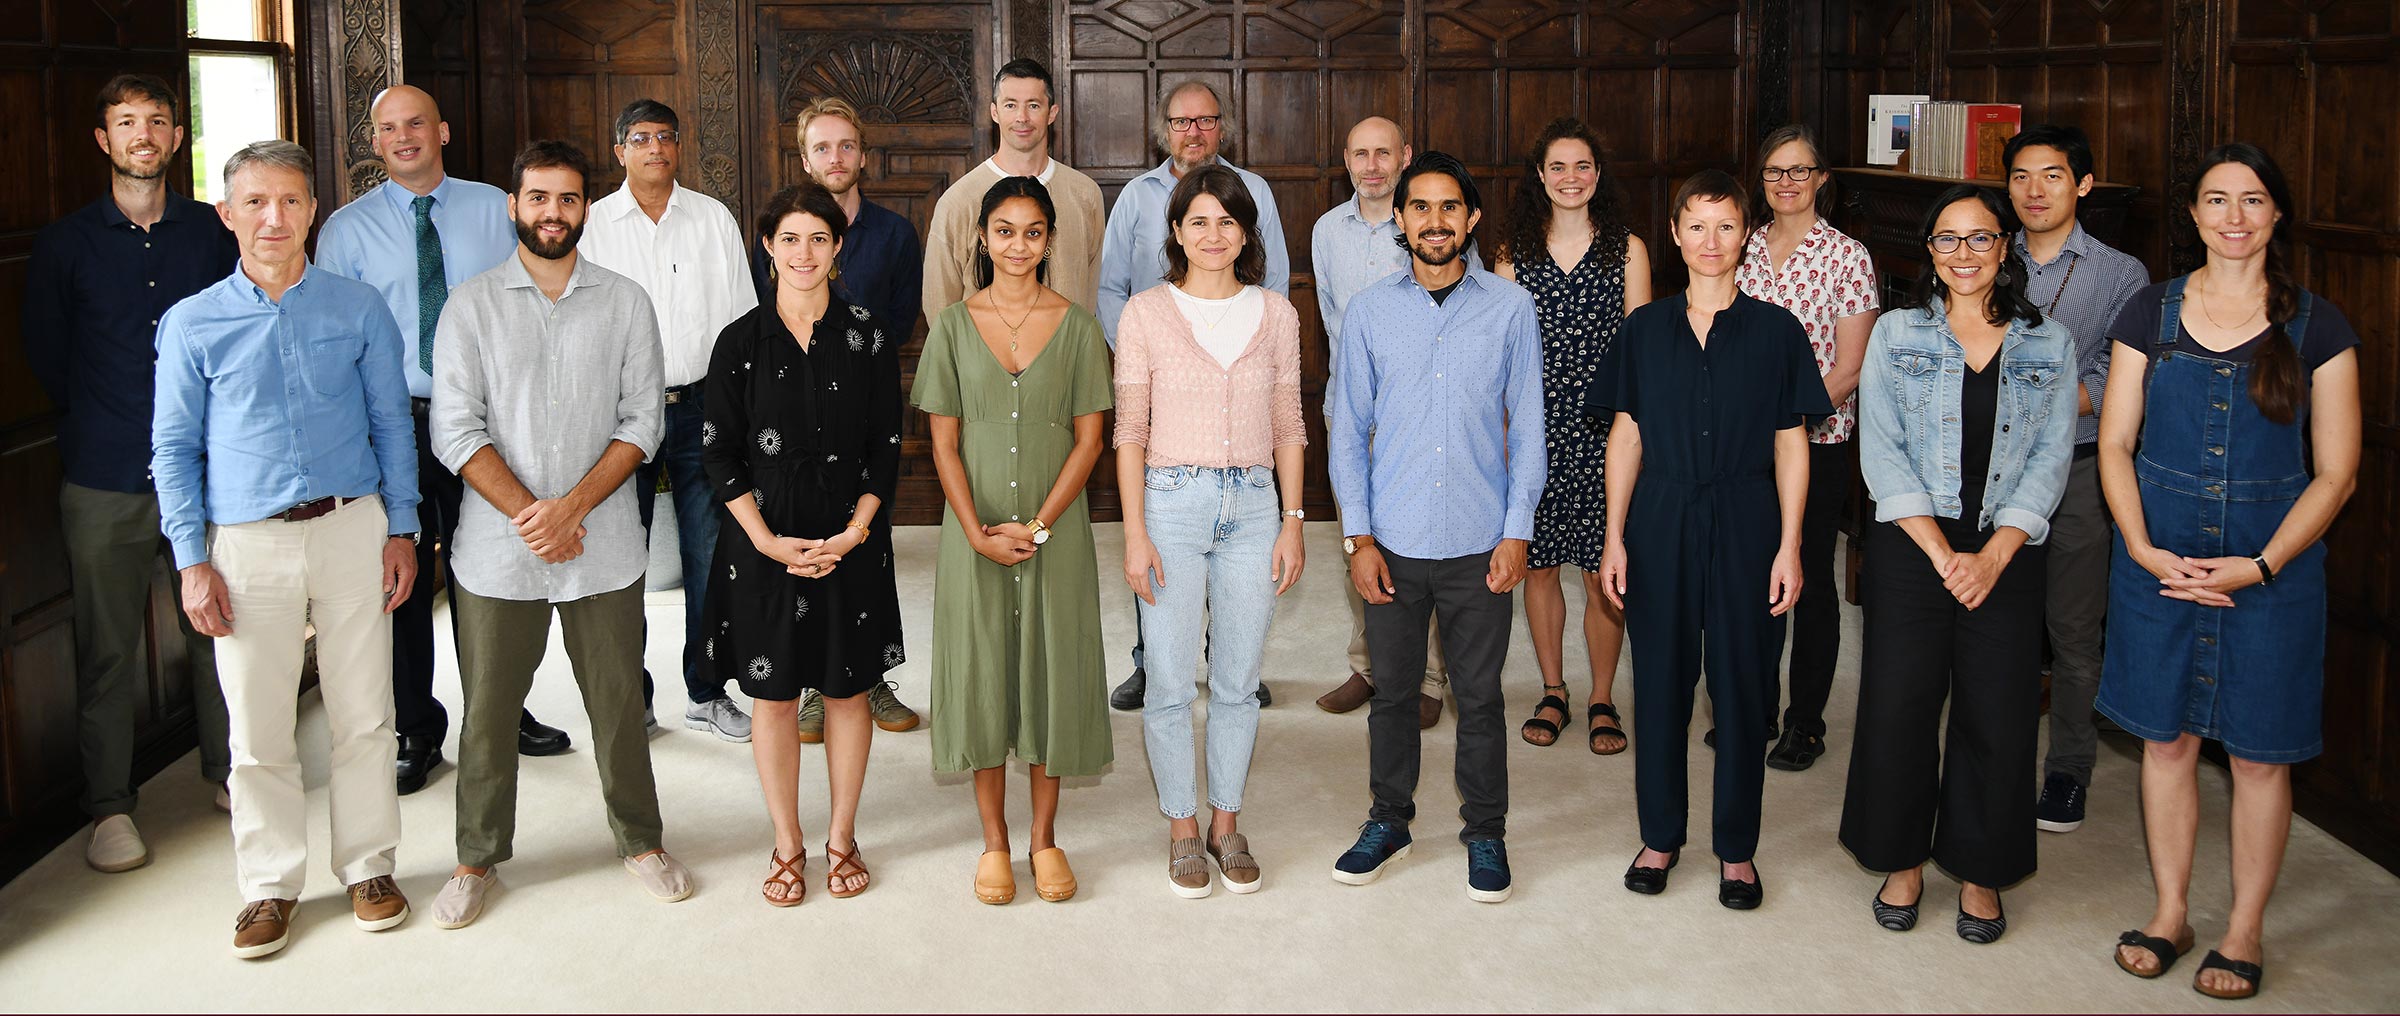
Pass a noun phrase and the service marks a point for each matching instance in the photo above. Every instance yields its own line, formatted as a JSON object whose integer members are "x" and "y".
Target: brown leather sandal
{"x": 847, "y": 867}
{"x": 783, "y": 887}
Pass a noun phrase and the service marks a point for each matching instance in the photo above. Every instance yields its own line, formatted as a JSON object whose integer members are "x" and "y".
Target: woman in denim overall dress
{"x": 2217, "y": 586}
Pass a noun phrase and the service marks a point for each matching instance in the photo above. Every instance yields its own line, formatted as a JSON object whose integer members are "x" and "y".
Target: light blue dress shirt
{"x": 1133, "y": 252}
{"x": 374, "y": 239}
{"x": 263, "y": 405}
{"x": 1452, "y": 396}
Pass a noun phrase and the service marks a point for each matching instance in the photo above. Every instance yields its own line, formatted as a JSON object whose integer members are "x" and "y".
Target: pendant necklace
{"x": 1003, "y": 316}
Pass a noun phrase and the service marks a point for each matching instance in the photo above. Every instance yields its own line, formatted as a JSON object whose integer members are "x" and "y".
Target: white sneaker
{"x": 662, "y": 876}
{"x": 720, "y": 717}
{"x": 224, "y": 797}
{"x": 461, "y": 900}
{"x": 116, "y": 845}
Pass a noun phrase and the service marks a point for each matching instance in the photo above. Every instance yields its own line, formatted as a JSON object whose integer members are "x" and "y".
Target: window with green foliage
{"x": 239, "y": 68}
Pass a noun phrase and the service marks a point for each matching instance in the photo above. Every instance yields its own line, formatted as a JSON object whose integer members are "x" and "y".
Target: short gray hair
{"x": 1165, "y": 139}
{"x": 273, "y": 152}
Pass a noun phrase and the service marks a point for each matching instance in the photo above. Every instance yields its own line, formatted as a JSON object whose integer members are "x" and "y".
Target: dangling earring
{"x": 1046, "y": 253}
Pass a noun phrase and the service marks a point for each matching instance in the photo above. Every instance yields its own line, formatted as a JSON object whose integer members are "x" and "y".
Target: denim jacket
{"x": 1909, "y": 390}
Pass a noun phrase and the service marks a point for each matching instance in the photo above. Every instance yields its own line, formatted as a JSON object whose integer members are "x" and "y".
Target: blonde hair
{"x": 825, "y": 105}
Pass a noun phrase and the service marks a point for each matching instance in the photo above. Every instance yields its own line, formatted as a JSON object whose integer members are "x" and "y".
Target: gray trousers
{"x": 2076, "y": 612}
{"x": 1476, "y": 624}
{"x": 113, "y": 541}
{"x": 500, "y": 645}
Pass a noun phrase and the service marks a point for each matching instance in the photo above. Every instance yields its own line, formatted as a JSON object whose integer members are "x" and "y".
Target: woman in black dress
{"x": 802, "y": 444}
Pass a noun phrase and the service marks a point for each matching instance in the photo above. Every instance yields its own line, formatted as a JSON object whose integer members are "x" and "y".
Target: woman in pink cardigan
{"x": 1209, "y": 444}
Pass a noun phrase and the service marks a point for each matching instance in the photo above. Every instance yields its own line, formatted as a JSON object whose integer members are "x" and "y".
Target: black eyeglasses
{"x": 1180, "y": 124}
{"x": 1978, "y": 241}
{"x": 1799, "y": 174}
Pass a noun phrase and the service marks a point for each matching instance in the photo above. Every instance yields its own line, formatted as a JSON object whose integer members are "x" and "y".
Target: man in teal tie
{"x": 414, "y": 238}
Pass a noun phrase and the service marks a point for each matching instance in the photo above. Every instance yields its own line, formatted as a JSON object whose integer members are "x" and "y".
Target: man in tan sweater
{"x": 1024, "y": 107}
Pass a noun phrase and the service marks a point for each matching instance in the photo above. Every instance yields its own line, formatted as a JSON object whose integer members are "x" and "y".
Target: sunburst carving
{"x": 917, "y": 78}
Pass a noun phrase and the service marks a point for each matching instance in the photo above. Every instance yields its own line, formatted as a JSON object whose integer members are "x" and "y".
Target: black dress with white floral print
{"x": 1579, "y": 313}
{"x": 804, "y": 434}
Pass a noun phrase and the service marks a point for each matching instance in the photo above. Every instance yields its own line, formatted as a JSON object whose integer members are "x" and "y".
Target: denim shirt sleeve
{"x": 2044, "y": 482}
{"x": 1883, "y": 453}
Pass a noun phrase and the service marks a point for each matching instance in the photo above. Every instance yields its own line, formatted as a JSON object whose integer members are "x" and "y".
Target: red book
{"x": 1989, "y": 127}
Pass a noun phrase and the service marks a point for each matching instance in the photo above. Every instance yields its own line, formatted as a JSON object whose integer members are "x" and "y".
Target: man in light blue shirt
{"x": 1190, "y": 125}
{"x": 415, "y": 237}
{"x": 1441, "y": 366}
{"x": 287, "y": 485}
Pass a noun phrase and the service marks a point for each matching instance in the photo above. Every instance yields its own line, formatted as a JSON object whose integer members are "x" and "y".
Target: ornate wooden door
{"x": 920, "y": 77}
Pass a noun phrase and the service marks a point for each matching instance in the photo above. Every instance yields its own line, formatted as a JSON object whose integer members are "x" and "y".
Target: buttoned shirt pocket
{"x": 2032, "y": 383}
{"x": 330, "y": 363}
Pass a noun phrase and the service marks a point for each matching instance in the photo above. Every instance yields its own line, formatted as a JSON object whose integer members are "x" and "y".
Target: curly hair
{"x": 1529, "y": 219}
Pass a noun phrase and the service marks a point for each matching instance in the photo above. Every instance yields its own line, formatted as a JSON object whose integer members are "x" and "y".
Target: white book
{"x": 1888, "y": 125}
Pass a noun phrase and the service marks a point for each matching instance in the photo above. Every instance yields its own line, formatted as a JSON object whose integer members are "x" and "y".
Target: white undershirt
{"x": 1224, "y": 327}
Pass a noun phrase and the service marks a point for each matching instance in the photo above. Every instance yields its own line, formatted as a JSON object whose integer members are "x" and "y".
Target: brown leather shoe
{"x": 1352, "y": 694}
{"x": 263, "y": 928}
{"x": 1429, "y": 711}
{"x": 376, "y": 904}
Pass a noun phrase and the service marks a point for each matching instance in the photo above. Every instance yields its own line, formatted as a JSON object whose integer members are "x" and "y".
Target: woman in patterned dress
{"x": 1567, "y": 245}
{"x": 1797, "y": 261}
{"x": 802, "y": 446}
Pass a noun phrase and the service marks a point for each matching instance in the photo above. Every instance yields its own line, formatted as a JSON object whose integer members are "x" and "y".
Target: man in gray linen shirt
{"x": 547, "y": 392}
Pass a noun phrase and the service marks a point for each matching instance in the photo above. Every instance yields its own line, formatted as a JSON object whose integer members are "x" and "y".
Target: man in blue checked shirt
{"x": 287, "y": 485}
{"x": 415, "y": 237}
{"x": 1442, "y": 366}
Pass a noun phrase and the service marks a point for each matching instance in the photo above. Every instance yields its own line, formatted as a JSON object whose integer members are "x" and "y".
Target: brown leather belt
{"x": 307, "y": 510}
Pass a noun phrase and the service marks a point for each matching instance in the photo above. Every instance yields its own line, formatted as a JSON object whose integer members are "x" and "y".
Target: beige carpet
{"x": 573, "y": 932}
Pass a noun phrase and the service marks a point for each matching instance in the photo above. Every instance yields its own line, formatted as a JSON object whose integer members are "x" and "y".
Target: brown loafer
{"x": 376, "y": 904}
{"x": 1352, "y": 694}
{"x": 995, "y": 878}
{"x": 1232, "y": 852}
{"x": 1053, "y": 880}
{"x": 263, "y": 928}
{"x": 1187, "y": 869}
{"x": 1429, "y": 711}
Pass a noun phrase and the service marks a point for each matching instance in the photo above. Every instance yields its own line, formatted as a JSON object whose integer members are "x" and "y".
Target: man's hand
{"x": 1370, "y": 576}
{"x": 551, "y": 529}
{"x": 399, "y": 571}
{"x": 206, "y": 602}
{"x": 1508, "y": 566}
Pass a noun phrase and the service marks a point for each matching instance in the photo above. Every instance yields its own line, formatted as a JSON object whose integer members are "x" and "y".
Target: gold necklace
{"x": 2222, "y": 326}
{"x": 1003, "y": 316}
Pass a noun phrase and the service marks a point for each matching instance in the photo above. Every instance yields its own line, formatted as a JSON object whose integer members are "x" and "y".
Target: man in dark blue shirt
{"x": 98, "y": 282}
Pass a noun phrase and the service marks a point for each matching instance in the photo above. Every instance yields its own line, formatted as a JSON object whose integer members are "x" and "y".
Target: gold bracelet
{"x": 863, "y": 531}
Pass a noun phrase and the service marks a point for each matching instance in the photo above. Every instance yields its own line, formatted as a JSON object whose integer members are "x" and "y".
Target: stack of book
{"x": 1960, "y": 140}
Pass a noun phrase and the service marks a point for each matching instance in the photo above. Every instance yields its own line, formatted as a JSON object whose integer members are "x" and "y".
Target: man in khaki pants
{"x": 286, "y": 468}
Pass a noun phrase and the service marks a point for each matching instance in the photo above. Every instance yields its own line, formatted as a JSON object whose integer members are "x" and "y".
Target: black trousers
{"x": 1817, "y": 618}
{"x": 1964, "y": 800}
{"x": 1475, "y": 624}
{"x": 415, "y": 712}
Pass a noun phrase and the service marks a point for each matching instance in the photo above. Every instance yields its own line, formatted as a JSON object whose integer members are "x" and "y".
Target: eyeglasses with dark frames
{"x": 1978, "y": 241}
{"x": 1799, "y": 174}
{"x": 1182, "y": 124}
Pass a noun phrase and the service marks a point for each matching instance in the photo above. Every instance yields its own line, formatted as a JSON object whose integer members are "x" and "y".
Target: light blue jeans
{"x": 1214, "y": 530}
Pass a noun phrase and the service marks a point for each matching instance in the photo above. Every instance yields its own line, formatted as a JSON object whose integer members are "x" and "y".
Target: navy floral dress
{"x": 1579, "y": 313}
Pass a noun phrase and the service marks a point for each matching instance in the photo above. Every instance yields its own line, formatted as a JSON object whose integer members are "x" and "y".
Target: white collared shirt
{"x": 692, "y": 262}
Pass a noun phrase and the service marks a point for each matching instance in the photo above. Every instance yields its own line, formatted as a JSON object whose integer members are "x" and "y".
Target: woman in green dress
{"x": 1015, "y": 378}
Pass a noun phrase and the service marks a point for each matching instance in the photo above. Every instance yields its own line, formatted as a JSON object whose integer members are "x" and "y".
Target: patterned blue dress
{"x": 1579, "y": 313}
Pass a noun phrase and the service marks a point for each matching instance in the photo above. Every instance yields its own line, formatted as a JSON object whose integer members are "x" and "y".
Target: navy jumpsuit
{"x": 1701, "y": 531}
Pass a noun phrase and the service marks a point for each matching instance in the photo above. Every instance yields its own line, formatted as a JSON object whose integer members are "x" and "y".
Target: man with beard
{"x": 880, "y": 267}
{"x": 1190, "y": 125}
{"x": 1354, "y": 245}
{"x": 1437, "y": 459}
{"x": 415, "y": 237}
{"x": 287, "y": 483}
{"x": 1023, "y": 107}
{"x": 683, "y": 248}
{"x": 545, "y": 397}
{"x": 97, "y": 284}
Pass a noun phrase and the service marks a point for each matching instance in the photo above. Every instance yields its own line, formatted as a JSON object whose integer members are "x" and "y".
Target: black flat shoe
{"x": 1795, "y": 752}
{"x": 418, "y": 757}
{"x": 1981, "y": 930}
{"x": 1265, "y": 698}
{"x": 1894, "y": 917}
{"x": 1736, "y": 894}
{"x": 1650, "y": 881}
{"x": 538, "y": 739}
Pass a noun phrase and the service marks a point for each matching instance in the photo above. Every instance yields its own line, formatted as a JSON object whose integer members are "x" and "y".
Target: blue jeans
{"x": 1215, "y": 531}
{"x": 696, "y": 519}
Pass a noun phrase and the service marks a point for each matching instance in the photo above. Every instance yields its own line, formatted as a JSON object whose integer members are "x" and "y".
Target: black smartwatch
{"x": 2266, "y": 575}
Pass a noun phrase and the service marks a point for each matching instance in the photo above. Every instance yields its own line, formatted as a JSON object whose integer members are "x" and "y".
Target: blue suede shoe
{"x": 1379, "y": 844}
{"x": 1487, "y": 871}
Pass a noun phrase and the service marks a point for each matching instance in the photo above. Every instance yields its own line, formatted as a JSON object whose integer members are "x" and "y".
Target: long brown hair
{"x": 2276, "y": 384}
{"x": 1529, "y": 218}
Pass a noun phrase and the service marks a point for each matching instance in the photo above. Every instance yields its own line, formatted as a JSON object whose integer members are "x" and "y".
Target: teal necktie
{"x": 433, "y": 289}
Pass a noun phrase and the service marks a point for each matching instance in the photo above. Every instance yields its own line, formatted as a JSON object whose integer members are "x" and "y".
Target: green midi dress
{"x": 1017, "y": 661}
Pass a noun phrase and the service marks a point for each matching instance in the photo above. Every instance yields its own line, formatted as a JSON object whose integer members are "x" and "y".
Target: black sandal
{"x": 2250, "y": 972}
{"x": 1615, "y": 728}
{"x": 2165, "y": 951}
{"x": 1893, "y": 917}
{"x": 1539, "y": 725}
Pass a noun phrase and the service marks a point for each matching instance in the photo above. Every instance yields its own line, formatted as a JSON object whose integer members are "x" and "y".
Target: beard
{"x": 529, "y": 233}
{"x": 847, "y": 184}
{"x": 124, "y": 166}
{"x": 1436, "y": 258}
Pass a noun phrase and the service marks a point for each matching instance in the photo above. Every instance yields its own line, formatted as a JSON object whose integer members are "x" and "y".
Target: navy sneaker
{"x": 2061, "y": 807}
{"x": 1379, "y": 844}
{"x": 1487, "y": 871}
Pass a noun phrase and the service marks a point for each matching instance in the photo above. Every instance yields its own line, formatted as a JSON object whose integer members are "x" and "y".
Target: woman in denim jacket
{"x": 1966, "y": 431}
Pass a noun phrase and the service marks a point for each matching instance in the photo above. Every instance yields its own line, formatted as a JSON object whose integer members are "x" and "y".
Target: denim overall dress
{"x": 2217, "y": 478}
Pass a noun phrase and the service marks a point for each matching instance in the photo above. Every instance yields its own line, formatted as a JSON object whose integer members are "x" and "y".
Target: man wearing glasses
{"x": 1191, "y": 126}
{"x": 687, "y": 253}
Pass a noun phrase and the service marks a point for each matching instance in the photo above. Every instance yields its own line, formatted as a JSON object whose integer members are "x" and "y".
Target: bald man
{"x": 415, "y": 237}
{"x": 1353, "y": 245}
